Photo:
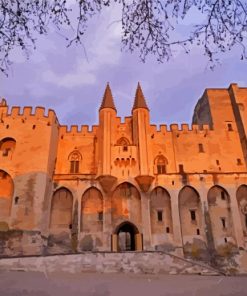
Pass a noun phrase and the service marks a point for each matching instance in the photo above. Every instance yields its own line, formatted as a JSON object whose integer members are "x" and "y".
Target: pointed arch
{"x": 160, "y": 216}
{"x": 92, "y": 211}
{"x": 219, "y": 208}
{"x": 126, "y": 204}
{"x": 190, "y": 213}
{"x": 241, "y": 196}
{"x": 6, "y": 195}
{"x": 61, "y": 210}
{"x": 123, "y": 141}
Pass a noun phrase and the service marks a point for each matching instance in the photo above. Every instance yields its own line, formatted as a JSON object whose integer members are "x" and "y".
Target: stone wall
{"x": 138, "y": 262}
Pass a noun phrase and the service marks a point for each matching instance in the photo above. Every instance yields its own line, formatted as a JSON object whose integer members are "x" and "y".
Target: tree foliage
{"x": 147, "y": 25}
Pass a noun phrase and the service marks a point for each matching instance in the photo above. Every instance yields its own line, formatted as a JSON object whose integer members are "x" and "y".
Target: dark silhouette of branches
{"x": 147, "y": 25}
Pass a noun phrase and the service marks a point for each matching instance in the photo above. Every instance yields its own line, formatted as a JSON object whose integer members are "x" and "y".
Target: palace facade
{"x": 127, "y": 185}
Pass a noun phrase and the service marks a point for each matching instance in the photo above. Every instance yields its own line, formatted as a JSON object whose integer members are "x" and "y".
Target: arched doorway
{"x": 126, "y": 238}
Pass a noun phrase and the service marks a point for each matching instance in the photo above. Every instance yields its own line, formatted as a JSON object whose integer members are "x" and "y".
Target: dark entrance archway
{"x": 126, "y": 238}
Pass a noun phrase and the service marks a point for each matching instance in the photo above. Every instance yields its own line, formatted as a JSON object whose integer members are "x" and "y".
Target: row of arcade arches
{"x": 125, "y": 205}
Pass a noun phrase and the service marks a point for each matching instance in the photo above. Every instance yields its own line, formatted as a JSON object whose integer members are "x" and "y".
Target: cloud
{"x": 101, "y": 48}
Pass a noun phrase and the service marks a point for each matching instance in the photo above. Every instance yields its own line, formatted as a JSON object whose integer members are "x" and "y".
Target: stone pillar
{"x": 114, "y": 242}
{"x": 146, "y": 223}
{"x": 204, "y": 207}
{"x": 176, "y": 226}
{"x": 107, "y": 222}
{"x": 236, "y": 220}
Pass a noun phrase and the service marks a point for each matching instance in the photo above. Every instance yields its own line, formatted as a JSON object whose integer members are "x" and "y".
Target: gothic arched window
{"x": 160, "y": 164}
{"x": 74, "y": 158}
{"x": 7, "y": 146}
{"x": 124, "y": 143}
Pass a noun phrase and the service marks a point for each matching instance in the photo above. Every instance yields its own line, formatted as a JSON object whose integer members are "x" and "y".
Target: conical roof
{"x": 107, "y": 101}
{"x": 140, "y": 101}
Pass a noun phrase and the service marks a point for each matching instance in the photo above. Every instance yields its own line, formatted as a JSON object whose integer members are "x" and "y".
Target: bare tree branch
{"x": 147, "y": 25}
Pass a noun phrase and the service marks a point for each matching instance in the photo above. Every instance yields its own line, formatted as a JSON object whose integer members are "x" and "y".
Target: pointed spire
{"x": 107, "y": 101}
{"x": 140, "y": 101}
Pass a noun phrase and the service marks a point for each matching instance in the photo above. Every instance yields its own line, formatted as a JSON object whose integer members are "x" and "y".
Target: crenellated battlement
{"x": 36, "y": 113}
{"x": 75, "y": 130}
{"x": 180, "y": 128}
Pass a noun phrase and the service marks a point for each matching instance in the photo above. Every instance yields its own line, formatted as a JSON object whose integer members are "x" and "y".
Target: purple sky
{"x": 65, "y": 80}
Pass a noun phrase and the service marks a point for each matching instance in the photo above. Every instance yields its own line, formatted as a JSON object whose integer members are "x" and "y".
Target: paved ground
{"x": 17, "y": 283}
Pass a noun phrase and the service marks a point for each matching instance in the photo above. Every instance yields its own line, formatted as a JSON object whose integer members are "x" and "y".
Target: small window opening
{"x": 217, "y": 162}
{"x": 223, "y": 197}
{"x": 161, "y": 169}
{"x": 34, "y": 126}
{"x": 16, "y": 200}
{"x": 172, "y": 182}
{"x": 239, "y": 162}
{"x": 198, "y": 231}
{"x": 100, "y": 216}
{"x": 229, "y": 126}
{"x": 70, "y": 226}
{"x": 200, "y": 146}
{"x": 7, "y": 126}
{"x": 125, "y": 148}
{"x": 181, "y": 168}
{"x": 160, "y": 216}
{"x": 225, "y": 240}
{"x": 193, "y": 215}
{"x": 74, "y": 166}
{"x": 167, "y": 230}
{"x": 223, "y": 221}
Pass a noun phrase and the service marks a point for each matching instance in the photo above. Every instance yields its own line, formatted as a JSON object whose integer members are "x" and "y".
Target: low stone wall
{"x": 136, "y": 262}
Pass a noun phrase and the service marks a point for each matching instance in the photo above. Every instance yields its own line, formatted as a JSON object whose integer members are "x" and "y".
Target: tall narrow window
{"x": 193, "y": 215}
{"x": 160, "y": 215}
{"x": 223, "y": 221}
{"x": 181, "y": 168}
{"x": 229, "y": 126}
{"x": 100, "y": 216}
{"x": 239, "y": 162}
{"x": 75, "y": 158}
{"x": 201, "y": 149}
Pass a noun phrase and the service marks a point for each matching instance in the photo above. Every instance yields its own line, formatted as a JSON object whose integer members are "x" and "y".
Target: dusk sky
{"x": 72, "y": 82}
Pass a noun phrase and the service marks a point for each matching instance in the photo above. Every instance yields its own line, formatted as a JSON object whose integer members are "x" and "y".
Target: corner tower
{"x": 107, "y": 115}
{"x": 140, "y": 121}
